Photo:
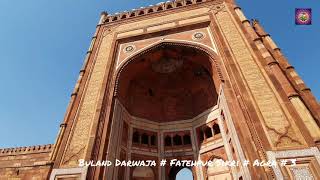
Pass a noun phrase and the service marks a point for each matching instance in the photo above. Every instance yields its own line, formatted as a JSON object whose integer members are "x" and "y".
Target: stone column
{"x": 115, "y": 133}
{"x": 162, "y": 173}
{"x": 226, "y": 145}
{"x": 127, "y": 176}
{"x": 196, "y": 149}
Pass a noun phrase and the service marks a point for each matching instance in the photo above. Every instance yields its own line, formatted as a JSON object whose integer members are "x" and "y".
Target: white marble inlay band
{"x": 274, "y": 155}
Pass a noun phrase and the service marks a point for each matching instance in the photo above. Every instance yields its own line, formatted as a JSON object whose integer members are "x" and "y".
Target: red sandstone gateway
{"x": 187, "y": 80}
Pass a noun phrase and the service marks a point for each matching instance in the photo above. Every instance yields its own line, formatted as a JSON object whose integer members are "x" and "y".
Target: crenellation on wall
{"x": 26, "y": 150}
{"x": 152, "y": 9}
{"x": 26, "y": 162}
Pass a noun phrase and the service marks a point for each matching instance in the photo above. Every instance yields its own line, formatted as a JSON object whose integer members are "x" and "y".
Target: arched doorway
{"x": 180, "y": 173}
{"x": 156, "y": 92}
{"x": 184, "y": 174}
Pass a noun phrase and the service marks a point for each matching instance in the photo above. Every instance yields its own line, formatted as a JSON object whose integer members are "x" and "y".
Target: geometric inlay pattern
{"x": 302, "y": 173}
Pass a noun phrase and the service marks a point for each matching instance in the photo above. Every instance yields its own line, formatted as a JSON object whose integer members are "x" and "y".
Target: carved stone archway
{"x": 175, "y": 170}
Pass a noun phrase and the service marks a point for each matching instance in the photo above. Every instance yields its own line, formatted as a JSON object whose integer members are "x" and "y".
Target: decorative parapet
{"x": 160, "y": 7}
{"x": 26, "y": 150}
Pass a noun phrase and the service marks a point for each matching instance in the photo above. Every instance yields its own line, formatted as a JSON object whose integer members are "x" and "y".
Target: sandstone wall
{"x": 26, "y": 162}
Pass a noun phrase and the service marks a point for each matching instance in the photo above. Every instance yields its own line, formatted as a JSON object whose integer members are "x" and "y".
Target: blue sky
{"x": 43, "y": 44}
{"x": 184, "y": 174}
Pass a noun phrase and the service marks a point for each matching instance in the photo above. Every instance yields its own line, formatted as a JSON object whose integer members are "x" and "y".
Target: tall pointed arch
{"x": 213, "y": 57}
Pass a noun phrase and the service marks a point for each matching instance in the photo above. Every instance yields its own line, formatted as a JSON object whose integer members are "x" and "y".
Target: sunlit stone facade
{"x": 187, "y": 80}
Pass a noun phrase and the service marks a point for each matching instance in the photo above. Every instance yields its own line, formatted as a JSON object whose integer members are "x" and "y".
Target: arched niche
{"x": 168, "y": 82}
{"x": 180, "y": 173}
{"x": 217, "y": 171}
{"x": 143, "y": 173}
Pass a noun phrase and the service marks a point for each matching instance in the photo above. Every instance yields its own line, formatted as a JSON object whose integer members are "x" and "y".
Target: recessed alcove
{"x": 168, "y": 83}
{"x": 167, "y": 97}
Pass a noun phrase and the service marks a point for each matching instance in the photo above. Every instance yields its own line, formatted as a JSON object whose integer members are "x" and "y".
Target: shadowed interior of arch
{"x": 168, "y": 83}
